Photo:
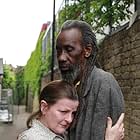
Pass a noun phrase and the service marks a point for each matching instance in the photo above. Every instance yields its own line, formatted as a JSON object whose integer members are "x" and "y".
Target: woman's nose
{"x": 69, "y": 118}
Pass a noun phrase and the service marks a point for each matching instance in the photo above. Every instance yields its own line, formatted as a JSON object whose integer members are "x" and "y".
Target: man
{"x": 99, "y": 94}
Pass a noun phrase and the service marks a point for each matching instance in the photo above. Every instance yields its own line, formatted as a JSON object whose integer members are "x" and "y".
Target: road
{"x": 11, "y": 131}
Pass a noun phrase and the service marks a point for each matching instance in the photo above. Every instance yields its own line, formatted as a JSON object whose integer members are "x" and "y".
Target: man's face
{"x": 70, "y": 54}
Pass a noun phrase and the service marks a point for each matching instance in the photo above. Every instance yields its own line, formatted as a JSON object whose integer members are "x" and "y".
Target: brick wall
{"x": 120, "y": 54}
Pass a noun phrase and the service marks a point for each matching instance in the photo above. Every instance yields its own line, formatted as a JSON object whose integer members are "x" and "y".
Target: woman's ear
{"x": 88, "y": 50}
{"x": 43, "y": 107}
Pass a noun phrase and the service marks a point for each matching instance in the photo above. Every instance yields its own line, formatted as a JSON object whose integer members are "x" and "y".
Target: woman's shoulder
{"x": 27, "y": 134}
{"x": 38, "y": 132}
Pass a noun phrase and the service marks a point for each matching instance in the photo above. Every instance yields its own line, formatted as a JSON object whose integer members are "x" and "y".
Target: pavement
{"x": 10, "y": 131}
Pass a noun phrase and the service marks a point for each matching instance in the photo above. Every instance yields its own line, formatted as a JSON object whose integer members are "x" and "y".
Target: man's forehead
{"x": 72, "y": 34}
{"x": 71, "y": 31}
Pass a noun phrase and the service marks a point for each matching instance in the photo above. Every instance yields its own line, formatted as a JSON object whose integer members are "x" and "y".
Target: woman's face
{"x": 59, "y": 116}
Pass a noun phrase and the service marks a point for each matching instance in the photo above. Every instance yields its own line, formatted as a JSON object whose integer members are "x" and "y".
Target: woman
{"x": 58, "y": 104}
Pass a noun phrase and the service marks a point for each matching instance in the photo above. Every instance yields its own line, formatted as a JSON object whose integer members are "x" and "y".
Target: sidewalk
{"x": 11, "y": 131}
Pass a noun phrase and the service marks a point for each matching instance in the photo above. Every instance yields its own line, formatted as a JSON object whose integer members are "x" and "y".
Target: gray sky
{"x": 20, "y": 25}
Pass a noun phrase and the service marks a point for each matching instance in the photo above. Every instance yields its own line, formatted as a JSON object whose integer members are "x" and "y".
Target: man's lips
{"x": 63, "y": 67}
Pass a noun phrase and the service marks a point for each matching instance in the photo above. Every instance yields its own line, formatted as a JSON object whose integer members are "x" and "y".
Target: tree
{"x": 98, "y": 13}
{"x": 8, "y": 77}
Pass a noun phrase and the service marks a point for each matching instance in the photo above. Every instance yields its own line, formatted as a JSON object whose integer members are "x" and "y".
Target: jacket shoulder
{"x": 100, "y": 74}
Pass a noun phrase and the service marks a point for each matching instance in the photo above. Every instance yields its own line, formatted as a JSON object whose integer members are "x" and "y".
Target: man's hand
{"x": 115, "y": 132}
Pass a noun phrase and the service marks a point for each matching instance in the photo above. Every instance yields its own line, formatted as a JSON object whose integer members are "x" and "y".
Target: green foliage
{"x": 32, "y": 71}
{"x": 70, "y": 12}
{"x": 19, "y": 86}
{"x": 13, "y": 79}
{"x": 106, "y": 13}
{"x": 46, "y": 66}
{"x": 8, "y": 77}
{"x": 36, "y": 66}
{"x": 29, "y": 77}
{"x": 98, "y": 13}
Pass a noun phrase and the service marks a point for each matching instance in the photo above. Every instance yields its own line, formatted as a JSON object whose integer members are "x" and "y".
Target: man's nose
{"x": 62, "y": 56}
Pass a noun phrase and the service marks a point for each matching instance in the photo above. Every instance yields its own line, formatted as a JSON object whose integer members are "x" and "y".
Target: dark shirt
{"x": 102, "y": 98}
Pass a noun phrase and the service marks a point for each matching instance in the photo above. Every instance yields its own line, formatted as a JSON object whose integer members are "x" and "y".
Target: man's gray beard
{"x": 72, "y": 74}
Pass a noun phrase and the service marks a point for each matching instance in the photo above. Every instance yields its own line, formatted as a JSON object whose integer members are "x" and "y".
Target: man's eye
{"x": 58, "y": 50}
{"x": 69, "y": 49}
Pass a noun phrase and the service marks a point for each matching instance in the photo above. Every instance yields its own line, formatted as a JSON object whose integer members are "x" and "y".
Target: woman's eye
{"x": 74, "y": 113}
{"x": 63, "y": 111}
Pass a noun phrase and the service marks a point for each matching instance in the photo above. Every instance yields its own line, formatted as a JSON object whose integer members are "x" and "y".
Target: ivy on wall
{"x": 19, "y": 86}
{"x": 36, "y": 67}
{"x": 32, "y": 70}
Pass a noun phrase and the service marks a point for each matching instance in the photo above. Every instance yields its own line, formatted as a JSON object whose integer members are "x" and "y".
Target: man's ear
{"x": 88, "y": 50}
{"x": 43, "y": 107}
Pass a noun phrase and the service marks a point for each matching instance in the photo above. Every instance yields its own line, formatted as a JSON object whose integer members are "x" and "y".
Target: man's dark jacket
{"x": 102, "y": 98}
